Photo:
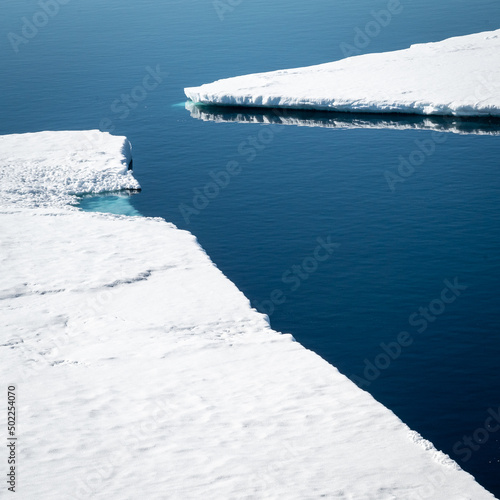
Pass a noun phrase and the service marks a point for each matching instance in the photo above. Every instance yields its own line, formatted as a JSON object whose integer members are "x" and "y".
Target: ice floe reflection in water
{"x": 344, "y": 120}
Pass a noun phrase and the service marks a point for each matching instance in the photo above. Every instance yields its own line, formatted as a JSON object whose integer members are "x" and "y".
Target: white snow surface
{"x": 143, "y": 372}
{"x": 459, "y": 76}
{"x": 49, "y": 168}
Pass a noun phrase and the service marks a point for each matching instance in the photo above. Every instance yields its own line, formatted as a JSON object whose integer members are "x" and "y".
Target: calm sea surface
{"x": 421, "y": 258}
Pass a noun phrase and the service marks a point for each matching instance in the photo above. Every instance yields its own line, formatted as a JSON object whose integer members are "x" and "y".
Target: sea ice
{"x": 143, "y": 372}
{"x": 459, "y": 76}
{"x": 51, "y": 168}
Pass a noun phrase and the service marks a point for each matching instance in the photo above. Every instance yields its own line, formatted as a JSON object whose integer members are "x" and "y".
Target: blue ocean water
{"x": 421, "y": 258}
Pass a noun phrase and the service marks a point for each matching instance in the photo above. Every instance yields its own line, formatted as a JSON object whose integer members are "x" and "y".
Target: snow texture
{"x": 49, "y": 168}
{"x": 143, "y": 372}
{"x": 459, "y": 76}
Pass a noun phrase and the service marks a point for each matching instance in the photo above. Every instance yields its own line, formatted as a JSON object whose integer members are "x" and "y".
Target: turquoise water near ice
{"x": 395, "y": 249}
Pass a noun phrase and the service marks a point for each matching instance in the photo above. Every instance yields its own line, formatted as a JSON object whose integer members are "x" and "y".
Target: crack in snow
{"x": 141, "y": 276}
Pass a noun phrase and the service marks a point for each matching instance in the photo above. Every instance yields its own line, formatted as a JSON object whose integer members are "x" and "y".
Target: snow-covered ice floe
{"x": 51, "y": 168}
{"x": 459, "y": 76}
{"x": 143, "y": 372}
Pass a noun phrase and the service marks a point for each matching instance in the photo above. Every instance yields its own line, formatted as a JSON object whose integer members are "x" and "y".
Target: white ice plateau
{"x": 143, "y": 372}
{"x": 459, "y": 76}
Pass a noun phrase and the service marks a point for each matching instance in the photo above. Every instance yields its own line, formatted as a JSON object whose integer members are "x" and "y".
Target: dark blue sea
{"x": 396, "y": 283}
